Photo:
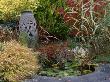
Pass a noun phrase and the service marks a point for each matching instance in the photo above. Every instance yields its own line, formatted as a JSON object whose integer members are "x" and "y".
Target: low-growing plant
{"x": 17, "y": 62}
{"x": 55, "y": 72}
{"x": 7, "y": 34}
{"x": 55, "y": 55}
{"x": 59, "y": 60}
{"x": 103, "y": 58}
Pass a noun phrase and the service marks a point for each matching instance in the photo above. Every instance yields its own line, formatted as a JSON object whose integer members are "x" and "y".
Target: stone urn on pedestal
{"x": 28, "y": 29}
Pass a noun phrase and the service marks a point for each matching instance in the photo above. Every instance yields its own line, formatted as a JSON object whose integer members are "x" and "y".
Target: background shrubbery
{"x": 48, "y": 17}
{"x": 10, "y": 9}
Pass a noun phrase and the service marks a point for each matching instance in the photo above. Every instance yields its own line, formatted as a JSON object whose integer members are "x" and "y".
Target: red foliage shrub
{"x": 51, "y": 49}
{"x": 73, "y": 18}
{"x": 55, "y": 54}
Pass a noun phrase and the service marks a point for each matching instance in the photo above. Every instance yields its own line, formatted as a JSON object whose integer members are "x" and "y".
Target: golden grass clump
{"x": 17, "y": 62}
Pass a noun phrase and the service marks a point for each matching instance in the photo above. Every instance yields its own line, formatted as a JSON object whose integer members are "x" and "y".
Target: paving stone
{"x": 103, "y": 75}
{"x": 45, "y": 79}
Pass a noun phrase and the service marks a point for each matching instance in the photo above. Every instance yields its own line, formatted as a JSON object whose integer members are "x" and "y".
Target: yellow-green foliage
{"x": 23, "y": 38}
{"x": 10, "y": 9}
{"x": 17, "y": 62}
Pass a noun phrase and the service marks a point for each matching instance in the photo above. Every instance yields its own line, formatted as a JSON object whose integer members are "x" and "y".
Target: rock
{"x": 105, "y": 68}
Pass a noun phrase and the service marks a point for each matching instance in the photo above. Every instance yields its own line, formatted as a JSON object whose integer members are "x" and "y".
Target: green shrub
{"x": 60, "y": 30}
{"x": 102, "y": 58}
{"x": 48, "y": 17}
{"x": 10, "y": 9}
{"x": 17, "y": 62}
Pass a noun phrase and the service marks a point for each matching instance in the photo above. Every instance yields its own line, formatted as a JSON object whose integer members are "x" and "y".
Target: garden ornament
{"x": 28, "y": 29}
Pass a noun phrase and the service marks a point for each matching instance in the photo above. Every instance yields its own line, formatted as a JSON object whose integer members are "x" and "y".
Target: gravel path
{"x": 102, "y": 75}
